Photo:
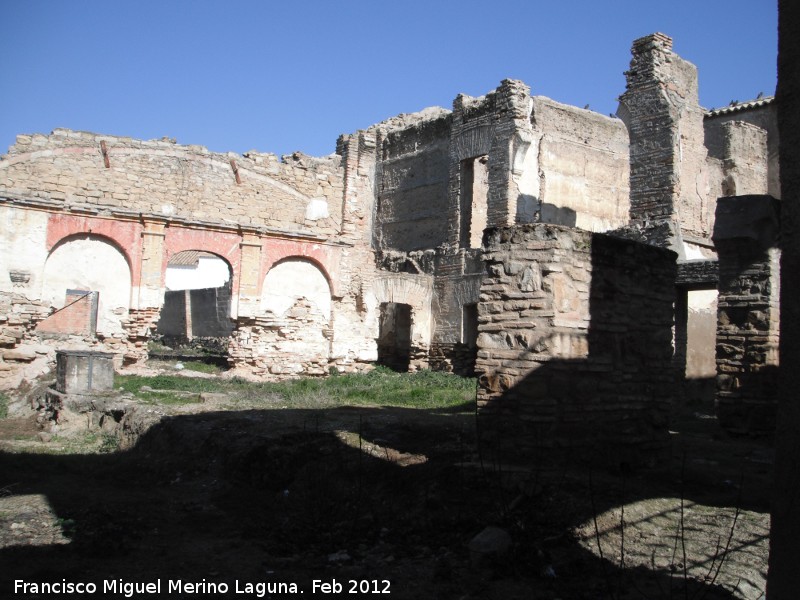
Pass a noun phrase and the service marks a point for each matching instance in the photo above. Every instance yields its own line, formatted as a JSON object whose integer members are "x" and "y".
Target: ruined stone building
{"x": 547, "y": 248}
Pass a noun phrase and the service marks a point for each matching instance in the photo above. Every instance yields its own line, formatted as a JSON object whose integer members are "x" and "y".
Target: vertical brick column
{"x": 665, "y": 121}
{"x": 144, "y": 313}
{"x": 248, "y": 298}
{"x": 151, "y": 286}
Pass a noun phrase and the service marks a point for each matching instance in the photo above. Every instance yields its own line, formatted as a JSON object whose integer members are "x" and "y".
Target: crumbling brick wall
{"x": 668, "y": 156}
{"x": 22, "y": 356}
{"x": 295, "y": 343}
{"x": 575, "y": 342}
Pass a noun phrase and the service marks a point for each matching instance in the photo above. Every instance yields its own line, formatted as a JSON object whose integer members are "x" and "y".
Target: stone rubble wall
{"x": 455, "y": 358}
{"x": 575, "y": 342}
{"x": 22, "y": 354}
{"x": 163, "y": 178}
{"x": 271, "y": 346}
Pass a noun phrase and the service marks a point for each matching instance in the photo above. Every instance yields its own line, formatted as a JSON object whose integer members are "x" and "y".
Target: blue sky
{"x": 235, "y": 75}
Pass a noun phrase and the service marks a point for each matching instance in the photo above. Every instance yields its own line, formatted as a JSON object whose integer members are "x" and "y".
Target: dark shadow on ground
{"x": 294, "y": 496}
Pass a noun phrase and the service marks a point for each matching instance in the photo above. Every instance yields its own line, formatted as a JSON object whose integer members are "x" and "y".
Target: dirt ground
{"x": 387, "y": 498}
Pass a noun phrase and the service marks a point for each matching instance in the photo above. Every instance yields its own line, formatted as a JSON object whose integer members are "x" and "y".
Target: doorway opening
{"x": 195, "y": 323}
{"x": 394, "y": 337}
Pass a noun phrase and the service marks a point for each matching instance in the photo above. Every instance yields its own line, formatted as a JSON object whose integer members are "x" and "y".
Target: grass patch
{"x": 201, "y": 367}
{"x": 89, "y": 442}
{"x": 133, "y": 383}
{"x": 3, "y": 405}
{"x": 379, "y": 387}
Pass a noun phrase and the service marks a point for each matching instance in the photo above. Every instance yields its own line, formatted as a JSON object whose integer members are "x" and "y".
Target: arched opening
{"x": 195, "y": 321}
{"x": 292, "y": 279}
{"x": 297, "y": 321}
{"x": 88, "y": 280}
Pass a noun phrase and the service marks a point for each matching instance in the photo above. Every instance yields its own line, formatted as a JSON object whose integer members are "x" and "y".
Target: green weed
{"x": 379, "y": 387}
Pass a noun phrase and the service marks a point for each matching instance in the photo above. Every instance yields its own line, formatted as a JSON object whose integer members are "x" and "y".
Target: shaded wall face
{"x": 785, "y": 518}
{"x": 575, "y": 340}
{"x": 745, "y": 236}
{"x": 196, "y": 313}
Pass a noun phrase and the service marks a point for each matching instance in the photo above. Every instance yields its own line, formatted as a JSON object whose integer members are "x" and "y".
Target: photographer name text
{"x": 259, "y": 589}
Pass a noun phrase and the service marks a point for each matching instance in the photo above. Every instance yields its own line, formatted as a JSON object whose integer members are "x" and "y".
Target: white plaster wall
{"x": 90, "y": 264}
{"x": 293, "y": 279}
{"x": 210, "y": 272}
{"x": 525, "y": 173}
{"x": 23, "y": 236}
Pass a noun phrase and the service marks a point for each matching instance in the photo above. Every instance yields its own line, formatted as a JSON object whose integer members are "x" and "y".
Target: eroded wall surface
{"x": 164, "y": 178}
{"x": 760, "y": 113}
{"x": 107, "y": 214}
{"x": 411, "y": 195}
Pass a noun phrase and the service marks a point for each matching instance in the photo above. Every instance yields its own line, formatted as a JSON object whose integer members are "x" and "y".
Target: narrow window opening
{"x": 469, "y": 325}
{"x": 474, "y": 200}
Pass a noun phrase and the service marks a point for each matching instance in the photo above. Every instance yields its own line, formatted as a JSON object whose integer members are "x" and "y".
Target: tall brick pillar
{"x": 248, "y": 298}
{"x": 151, "y": 286}
{"x": 144, "y": 315}
{"x": 665, "y": 122}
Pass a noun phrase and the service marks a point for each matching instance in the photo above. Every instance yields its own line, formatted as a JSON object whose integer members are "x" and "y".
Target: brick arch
{"x": 309, "y": 259}
{"x": 405, "y": 289}
{"x": 227, "y": 262}
{"x": 90, "y": 235}
{"x": 326, "y": 258}
{"x": 224, "y": 244}
{"x": 124, "y": 235}
{"x": 87, "y": 262}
